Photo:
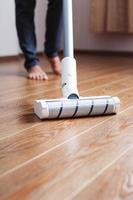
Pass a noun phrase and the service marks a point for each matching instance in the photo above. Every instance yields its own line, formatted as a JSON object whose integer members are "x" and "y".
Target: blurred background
{"x": 94, "y": 25}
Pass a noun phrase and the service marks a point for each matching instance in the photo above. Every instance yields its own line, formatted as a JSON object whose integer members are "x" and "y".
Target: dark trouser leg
{"x": 53, "y": 27}
{"x": 26, "y": 30}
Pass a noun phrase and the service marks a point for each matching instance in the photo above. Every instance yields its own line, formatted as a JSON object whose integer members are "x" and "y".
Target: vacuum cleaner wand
{"x": 69, "y": 72}
{"x": 72, "y": 105}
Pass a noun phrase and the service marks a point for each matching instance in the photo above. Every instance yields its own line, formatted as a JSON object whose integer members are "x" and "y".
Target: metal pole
{"x": 68, "y": 28}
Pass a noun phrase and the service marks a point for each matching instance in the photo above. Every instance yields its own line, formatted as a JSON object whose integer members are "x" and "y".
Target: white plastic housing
{"x": 85, "y": 106}
{"x": 69, "y": 77}
{"x": 41, "y": 109}
{"x": 117, "y": 104}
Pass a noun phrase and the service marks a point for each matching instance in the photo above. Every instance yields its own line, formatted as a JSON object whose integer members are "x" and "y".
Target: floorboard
{"x": 65, "y": 159}
{"x": 120, "y": 186}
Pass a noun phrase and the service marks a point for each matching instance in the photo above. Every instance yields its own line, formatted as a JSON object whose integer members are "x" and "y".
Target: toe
{"x": 34, "y": 77}
{"x": 45, "y": 77}
{"x": 30, "y": 76}
{"x": 40, "y": 77}
{"x": 57, "y": 71}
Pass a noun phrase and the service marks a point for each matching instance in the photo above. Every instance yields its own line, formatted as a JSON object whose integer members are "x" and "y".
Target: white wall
{"x": 84, "y": 39}
{"x": 8, "y": 37}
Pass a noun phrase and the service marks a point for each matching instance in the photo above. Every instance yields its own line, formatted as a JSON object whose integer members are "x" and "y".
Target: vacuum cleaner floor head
{"x": 69, "y": 108}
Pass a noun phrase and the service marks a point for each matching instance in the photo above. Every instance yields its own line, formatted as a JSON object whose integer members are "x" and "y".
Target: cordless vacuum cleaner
{"x": 72, "y": 105}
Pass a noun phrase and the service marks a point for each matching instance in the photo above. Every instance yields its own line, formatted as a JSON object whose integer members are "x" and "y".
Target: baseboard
{"x": 90, "y": 52}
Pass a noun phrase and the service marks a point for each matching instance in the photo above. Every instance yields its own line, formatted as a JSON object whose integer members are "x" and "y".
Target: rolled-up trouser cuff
{"x": 51, "y": 54}
{"x": 31, "y": 63}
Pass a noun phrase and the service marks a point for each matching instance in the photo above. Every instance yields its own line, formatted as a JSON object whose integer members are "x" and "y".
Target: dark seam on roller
{"x": 76, "y": 110}
{"x": 60, "y": 111}
{"x": 92, "y": 106}
{"x": 106, "y": 107}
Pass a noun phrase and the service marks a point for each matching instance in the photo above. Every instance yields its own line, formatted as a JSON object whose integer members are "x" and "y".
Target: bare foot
{"x": 36, "y": 73}
{"x": 55, "y": 64}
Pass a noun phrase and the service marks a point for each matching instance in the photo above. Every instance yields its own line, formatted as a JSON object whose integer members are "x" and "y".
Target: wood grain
{"x": 63, "y": 159}
{"x": 73, "y": 164}
{"x": 115, "y": 182}
{"x": 22, "y": 118}
{"x": 34, "y": 140}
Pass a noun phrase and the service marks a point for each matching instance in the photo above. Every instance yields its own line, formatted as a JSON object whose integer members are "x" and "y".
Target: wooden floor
{"x": 80, "y": 159}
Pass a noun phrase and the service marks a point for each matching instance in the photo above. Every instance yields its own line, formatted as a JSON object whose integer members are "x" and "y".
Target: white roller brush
{"x": 72, "y": 105}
